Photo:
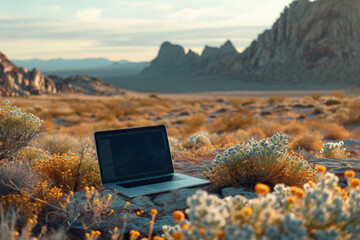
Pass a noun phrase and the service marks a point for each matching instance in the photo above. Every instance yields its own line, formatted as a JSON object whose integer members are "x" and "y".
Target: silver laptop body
{"x": 137, "y": 161}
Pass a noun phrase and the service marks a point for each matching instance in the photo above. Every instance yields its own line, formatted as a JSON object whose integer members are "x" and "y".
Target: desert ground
{"x": 57, "y": 169}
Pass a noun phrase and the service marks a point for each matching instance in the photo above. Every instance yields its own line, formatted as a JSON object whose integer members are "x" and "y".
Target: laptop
{"x": 137, "y": 161}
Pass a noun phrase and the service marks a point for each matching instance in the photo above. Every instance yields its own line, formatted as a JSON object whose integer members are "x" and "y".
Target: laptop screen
{"x": 129, "y": 154}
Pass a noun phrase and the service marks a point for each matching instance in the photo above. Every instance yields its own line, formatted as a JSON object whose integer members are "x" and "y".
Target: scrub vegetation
{"x": 47, "y": 155}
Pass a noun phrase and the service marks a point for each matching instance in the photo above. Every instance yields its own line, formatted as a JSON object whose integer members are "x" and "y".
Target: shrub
{"x": 16, "y": 174}
{"x": 232, "y": 121}
{"x": 32, "y": 153}
{"x": 335, "y": 131}
{"x": 59, "y": 144}
{"x": 70, "y": 172}
{"x": 16, "y": 129}
{"x": 265, "y": 161}
{"x": 293, "y": 127}
{"x": 194, "y": 123}
{"x": 307, "y": 141}
{"x": 318, "y": 211}
{"x": 316, "y": 96}
{"x": 199, "y": 139}
{"x": 333, "y": 150}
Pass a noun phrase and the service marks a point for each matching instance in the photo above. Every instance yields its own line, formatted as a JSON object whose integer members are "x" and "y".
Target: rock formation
{"x": 17, "y": 81}
{"x": 172, "y": 58}
{"x": 311, "y": 42}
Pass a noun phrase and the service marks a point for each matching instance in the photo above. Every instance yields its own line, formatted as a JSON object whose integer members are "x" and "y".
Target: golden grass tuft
{"x": 308, "y": 141}
{"x": 227, "y": 122}
{"x": 334, "y": 131}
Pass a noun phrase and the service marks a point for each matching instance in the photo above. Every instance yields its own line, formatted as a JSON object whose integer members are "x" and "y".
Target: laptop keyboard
{"x": 149, "y": 181}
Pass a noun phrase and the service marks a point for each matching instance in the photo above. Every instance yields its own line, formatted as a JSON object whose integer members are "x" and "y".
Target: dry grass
{"x": 293, "y": 128}
{"x": 316, "y": 96}
{"x": 308, "y": 141}
{"x": 194, "y": 123}
{"x": 338, "y": 94}
{"x": 227, "y": 122}
{"x": 334, "y": 131}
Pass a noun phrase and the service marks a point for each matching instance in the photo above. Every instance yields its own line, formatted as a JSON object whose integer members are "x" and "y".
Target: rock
{"x": 17, "y": 81}
{"x": 307, "y": 44}
{"x": 339, "y": 166}
{"x": 172, "y": 59}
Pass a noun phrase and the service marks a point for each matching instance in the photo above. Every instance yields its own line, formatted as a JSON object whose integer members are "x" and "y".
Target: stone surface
{"x": 17, "y": 81}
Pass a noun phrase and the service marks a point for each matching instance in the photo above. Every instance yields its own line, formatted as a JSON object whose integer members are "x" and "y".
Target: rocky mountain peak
{"x": 311, "y": 41}
{"x": 5, "y": 64}
{"x": 228, "y": 48}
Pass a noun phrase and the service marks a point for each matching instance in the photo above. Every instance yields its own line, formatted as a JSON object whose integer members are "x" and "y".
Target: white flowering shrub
{"x": 17, "y": 128}
{"x": 266, "y": 161}
{"x": 199, "y": 139}
{"x": 333, "y": 150}
{"x": 318, "y": 211}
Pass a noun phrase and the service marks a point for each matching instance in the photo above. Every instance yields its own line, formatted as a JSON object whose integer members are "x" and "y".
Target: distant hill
{"x": 60, "y": 63}
{"x": 311, "y": 42}
{"x": 19, "y": 81}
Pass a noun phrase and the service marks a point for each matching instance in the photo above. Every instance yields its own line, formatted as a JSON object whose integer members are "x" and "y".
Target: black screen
{"x": 133, "y": 153}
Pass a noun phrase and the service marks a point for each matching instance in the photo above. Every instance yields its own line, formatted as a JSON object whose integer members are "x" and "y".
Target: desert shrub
{"x": 59, "y": 144}
{"x": 276, "y": 99}
{"x": 227, "y": 122}
{"x": 17, "y": 128}
{"x": 333, "y": 150}
{"x": 32, "y": 153}
{"x": 318, "y": 211}
{"x": 17, "y": 174}
{"x": 307, "y": 141}
{"x": 316, "y": 96}
{"x": 70, "y": 172}
{"x": 194, "y": 123}
{"x": 350, "y": 113}
{"x": 255, "y": 132}
{"x": 199, "y": 139}
{"x": 264, "y": 161}
{"x": 10, "y": 230}
{"x": 293, "y": 127}
{"x": 338, "y": 94}
{"x": 334, "y": 131}
{"x": 319, "y": 108}
{"x": 269, "y": 127}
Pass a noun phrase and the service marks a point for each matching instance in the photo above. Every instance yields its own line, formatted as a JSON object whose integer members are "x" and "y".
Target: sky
{"x": 124, "y": 29}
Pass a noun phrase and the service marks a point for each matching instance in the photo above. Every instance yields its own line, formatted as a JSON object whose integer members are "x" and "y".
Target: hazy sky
{"x": 132, "y": 30}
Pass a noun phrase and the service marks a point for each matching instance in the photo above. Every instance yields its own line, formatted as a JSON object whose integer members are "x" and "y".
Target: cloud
{"x": 147, "y": 5}
{"x": 90, "y": 14}
{"x": 191, "y": 14}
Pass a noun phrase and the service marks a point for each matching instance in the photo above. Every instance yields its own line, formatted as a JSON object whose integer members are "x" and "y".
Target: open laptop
{"x": 137, "y": 161}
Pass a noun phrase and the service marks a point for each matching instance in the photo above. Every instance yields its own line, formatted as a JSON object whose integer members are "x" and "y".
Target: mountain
{"x": 18, "y": 81}
{"x": 60, "y": 63}
{"x": 311, "y": 42}
{"x": 173, "y": 59}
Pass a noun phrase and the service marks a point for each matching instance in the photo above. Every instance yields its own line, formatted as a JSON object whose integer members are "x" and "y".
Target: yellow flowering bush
{"x": 17, "y": 128}
{"x": 316, "y": 211}
{"x": 69, "y": 171}
{"x": 266, "y": 161}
